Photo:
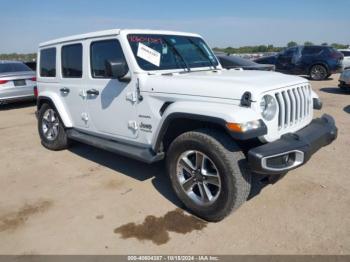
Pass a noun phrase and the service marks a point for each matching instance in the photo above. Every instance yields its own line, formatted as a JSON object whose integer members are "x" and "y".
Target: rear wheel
{"x": 209, "y": 173}
{"x": 51, "y": 129}
{"x": 318, "y": 72}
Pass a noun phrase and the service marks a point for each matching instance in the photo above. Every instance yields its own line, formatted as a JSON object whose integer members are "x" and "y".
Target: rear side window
{"x": 13, "y": 67}
{"x": 312, "y": 50}
{"x": 72, "y": 61}
{"x": 290, "y": 51}
{"x": 48, "y": 62}
{"x": 101, "y": 52}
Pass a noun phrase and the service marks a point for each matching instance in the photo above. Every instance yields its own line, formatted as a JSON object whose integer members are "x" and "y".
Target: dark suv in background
{"x": 318, "y": 62}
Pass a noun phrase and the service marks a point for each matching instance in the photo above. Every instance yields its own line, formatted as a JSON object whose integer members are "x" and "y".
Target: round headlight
{"x": 268, "y": 107}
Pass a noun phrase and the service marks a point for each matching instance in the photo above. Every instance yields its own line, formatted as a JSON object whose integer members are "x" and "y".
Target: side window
{"x": 72, "y": 61}
{"x": 290, "y": 52}
{"x": 100, "y": 53}
{"x": 48, "y": 62}
{"x": 311, "y": 50}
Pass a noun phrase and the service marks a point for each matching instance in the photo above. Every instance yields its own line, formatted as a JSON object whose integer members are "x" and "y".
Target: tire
{"x": 318, "y": 72}
{"x": 220, "y": 153}
{"x": 56, "y": 139}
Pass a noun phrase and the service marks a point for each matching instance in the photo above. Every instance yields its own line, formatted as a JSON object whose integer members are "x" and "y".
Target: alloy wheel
{"x": 198, "y": 177}
{"x": 318, "y": 72}
{"x": 50, "y": 124}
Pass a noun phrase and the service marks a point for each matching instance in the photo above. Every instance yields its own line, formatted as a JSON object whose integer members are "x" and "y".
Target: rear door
{"x": 71, "y": 89}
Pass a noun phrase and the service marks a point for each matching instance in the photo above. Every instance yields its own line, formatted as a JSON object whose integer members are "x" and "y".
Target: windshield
{"x": 13, "y": 67}
{"x": 164, "y": 52}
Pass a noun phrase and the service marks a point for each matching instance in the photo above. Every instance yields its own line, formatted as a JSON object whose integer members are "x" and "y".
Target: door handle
{"x": 64, "y": 90}
{"x": 93, "y": 92}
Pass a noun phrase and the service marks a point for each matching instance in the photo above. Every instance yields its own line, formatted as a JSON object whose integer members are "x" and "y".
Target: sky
{"x": 26, "y": 23}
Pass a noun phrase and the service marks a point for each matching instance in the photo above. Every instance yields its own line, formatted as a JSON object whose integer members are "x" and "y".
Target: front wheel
{"x": 209, "y": 173}
{"x": 318, "y": 72}
{"x": 51, "y": 129}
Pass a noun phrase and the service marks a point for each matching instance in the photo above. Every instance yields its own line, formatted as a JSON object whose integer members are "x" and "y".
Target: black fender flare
{"x": 206, "y": 119}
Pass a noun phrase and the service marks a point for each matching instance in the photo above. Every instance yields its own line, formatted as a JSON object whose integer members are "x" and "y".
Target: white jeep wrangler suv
{"x": 151, "y": 95}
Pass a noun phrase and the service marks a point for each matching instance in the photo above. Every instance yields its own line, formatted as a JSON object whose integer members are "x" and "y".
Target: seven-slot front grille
{"x": 294, "y": 105}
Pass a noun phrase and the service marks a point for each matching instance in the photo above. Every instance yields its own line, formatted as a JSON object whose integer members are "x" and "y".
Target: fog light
{"x": 284, "y": 161}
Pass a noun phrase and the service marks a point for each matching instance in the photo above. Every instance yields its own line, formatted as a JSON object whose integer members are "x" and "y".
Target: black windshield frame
{"x": 170, "y": 47}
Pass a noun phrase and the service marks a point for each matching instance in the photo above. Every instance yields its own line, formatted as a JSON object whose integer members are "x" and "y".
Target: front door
{"x": 286, "y": 61}
{"x": 111, "y": 108}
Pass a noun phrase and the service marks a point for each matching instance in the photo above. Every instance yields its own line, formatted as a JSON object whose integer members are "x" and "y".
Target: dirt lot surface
{"x": 81, "y": 201}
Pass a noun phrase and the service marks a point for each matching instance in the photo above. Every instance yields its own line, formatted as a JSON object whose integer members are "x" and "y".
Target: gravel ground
{"x": 87, "y": 201}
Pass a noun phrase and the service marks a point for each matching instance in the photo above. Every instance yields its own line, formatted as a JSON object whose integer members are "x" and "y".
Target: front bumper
{"x": 293, "y": 149}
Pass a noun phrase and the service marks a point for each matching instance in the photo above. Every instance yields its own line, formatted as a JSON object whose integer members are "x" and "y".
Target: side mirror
{"x": 116, "y": 69}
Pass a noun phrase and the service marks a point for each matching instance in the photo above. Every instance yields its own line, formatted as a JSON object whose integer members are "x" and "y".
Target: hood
{"x": 226, "y": 84}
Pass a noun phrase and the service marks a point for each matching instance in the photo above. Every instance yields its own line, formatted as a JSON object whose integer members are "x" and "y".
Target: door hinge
{"x": 82, "y": 93}
{"x": 133, "y": 125}
{"x": 131, "y": 96}
{"x": 85, "y": 117}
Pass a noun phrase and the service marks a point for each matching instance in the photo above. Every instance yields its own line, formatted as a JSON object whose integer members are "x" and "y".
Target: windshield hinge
{"x": 138, "y": 92}
{"x": 131, "y": 96}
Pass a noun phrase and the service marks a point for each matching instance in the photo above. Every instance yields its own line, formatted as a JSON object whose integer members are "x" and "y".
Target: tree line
{"x": 19, "y": 57}
{"x": 228, "y": 50}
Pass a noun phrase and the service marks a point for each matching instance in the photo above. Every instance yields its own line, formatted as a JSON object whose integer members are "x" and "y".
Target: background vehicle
{"x": 232, "y": 61}
{"x": 267, "y": 60}
{"x": 344, "y": 80}
{"x": 17, "y": 81}
{"x": 318, "y": 62}
{"x": 346, "y": 60}
{"x": 153, "y": 95}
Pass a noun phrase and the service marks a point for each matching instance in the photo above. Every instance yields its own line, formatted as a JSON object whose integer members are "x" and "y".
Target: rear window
{"x": 266, "y": 60}
{"x": 13, "y": 67}
{"x": 48, "y": 62}
{"x": 235, "y": 61}
{"x": 72, "y": 61}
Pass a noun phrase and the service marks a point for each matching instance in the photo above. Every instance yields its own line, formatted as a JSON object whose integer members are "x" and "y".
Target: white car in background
{"x": 344, "y": 80}
{"x": 17, "y": 81}
{"x": 346, "y": 60}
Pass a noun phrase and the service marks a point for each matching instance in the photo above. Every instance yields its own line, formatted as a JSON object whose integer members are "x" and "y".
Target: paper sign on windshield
{"x": 148, "y": 54}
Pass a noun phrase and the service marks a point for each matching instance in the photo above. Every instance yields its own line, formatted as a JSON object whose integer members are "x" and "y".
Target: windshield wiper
{"x": 202, "y": 52}
{"x": 177, "y": 53}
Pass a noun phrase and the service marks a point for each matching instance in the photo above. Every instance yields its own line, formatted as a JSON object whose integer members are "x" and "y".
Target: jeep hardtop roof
{"x": 112, "y": 32}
